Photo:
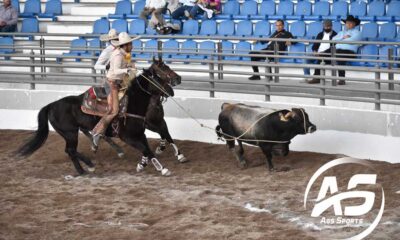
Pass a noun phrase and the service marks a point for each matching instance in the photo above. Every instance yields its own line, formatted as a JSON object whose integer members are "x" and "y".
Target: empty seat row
{"x": 32, "y": 8}
{"x": 80, "y": 47}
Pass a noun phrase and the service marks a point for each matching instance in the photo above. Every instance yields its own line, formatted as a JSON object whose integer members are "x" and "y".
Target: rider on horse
{"x": 120, "y": 66}
{"x": 104, "y": 58}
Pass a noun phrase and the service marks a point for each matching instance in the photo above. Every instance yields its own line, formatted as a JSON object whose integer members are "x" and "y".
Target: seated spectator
{"x": 209, "y": 8}
{"x": 172, "y": 5}
{"x": 184, "y": 9}
{"x": 345, "y": 50}
{"x": 8, "y": 17}
{"x": 282, "y": 46}
{"x": 321, "y": 49}
{"x": 156, "y": 9}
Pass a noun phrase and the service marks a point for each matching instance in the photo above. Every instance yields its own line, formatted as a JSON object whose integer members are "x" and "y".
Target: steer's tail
{"x": 40, "y": 136}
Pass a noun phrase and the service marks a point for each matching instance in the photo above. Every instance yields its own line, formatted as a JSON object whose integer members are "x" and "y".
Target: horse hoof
{"x": 159, "y": 151}
{"x": 139, "y": 168}
{"x": 121, "y": 154}
{"x": 182, "y": 158}
{"x": 165, "y": 172}
{"x": 93, "y": 148}
{"x": 91, "y": 169}
{"x": 243, "y": 165}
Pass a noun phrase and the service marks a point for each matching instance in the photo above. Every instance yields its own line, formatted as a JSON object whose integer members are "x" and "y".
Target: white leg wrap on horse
{"x": 157, "y": 164}
{"x": 175, "y": 149}
{"x": 140, "y": 166}
{"x": 161, "y": 147}
{"x": 91, "y": 169}
{"x": 181, "y": 158}
{"x": 121, "y": 154}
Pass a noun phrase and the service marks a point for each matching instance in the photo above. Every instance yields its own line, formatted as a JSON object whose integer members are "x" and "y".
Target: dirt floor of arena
{"x": 205, "y": 198}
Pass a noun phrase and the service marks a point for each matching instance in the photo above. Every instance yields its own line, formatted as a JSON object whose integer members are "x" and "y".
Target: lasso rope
{"x": 226, "y": 136}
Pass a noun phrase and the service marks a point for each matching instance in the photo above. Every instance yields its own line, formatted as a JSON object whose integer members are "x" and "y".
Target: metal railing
{"x": 40, "y": 54}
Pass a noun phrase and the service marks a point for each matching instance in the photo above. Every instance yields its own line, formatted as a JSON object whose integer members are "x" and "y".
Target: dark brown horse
{"x": 67, "y": 118}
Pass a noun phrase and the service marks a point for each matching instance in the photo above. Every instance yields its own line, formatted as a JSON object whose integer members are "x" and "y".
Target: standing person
{"x": 155, "y": 8}
{"x": 8, "y": 17}
{"x": 282, "y": 46}
{"x": 184, "y": 9}
{"x": 119, "y": 67}
{"x": 345, "y": 50}
{"x": 321, "y": 49}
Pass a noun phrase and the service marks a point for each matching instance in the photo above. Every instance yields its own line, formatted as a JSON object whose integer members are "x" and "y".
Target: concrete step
{"x": 90, "y": 10}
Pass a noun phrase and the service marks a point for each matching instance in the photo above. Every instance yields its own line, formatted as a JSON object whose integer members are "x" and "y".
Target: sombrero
{"x": 123, "y": 38}
{"x": 112, "y": 35}
{"x": 352, "y": 19}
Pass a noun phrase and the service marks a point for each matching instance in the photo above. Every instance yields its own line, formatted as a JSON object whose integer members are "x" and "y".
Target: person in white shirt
{"x": 105, "y": 55}
{"x": 321, "y": 50}
{"x": 156, "y": 9}
{"x": 184, "y": 9}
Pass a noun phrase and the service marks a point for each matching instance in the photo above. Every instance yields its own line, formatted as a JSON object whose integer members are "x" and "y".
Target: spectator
{"x": 209, "y": 8}
{"x": 282, "y": 46}
{"x": 172, "y": 5}
{"x": 156, "y": 9}
{"x": 345, "y": 50}
{"x": 320, "y": 49}
{"x": 184, "y": 9}
{"x": 8, "y": 17}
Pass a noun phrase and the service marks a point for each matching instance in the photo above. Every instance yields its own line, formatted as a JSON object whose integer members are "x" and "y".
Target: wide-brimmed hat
{"x": 112, "y": 35}
{"x": 123, "y": 38}
{"x": 352, "y": 19}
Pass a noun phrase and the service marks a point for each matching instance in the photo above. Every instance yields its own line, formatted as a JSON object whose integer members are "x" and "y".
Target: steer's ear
{"x": 287, "y": 116}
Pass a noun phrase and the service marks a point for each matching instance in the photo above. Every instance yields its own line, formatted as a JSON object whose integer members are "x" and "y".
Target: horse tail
{"x": 218, "y": 131}
{"x": 40, "y": 136}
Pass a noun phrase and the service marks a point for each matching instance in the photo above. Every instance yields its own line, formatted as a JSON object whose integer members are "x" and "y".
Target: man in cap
{"x": 120, "y": 65}
{"x": 345, "y": 50}
{"x": 321, "y": 49}
{"x": 105, "y": 55}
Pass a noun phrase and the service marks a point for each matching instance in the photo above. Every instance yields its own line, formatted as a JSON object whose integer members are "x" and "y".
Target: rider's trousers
{"x": 113, "y": 103}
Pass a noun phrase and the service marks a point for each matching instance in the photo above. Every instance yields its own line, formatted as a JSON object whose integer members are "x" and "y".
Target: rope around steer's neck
{"x": 226, "y": 136}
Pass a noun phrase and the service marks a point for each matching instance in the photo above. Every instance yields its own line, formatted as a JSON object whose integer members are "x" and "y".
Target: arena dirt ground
{"x": 205, "y": 198}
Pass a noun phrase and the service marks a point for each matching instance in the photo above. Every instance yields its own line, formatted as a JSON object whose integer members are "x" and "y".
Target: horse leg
{"x": 267, "y": 150}
{"x": 239, "y": 155}
{"x": 142, "y": 145}
{"x": 109, "y": 140}
{"x": 165, "y": 135}
{"x": 71, "y": 139}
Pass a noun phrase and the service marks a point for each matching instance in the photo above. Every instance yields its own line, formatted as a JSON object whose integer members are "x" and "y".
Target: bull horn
{"x": 285, "y": 118}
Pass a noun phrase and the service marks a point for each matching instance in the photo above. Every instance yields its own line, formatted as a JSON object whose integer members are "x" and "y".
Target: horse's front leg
{"x": 166, "y": 137}
{"x": 142, "y": 145}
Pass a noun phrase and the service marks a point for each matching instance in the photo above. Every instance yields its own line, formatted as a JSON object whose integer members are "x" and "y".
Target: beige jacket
{"x": 119, "y": 66}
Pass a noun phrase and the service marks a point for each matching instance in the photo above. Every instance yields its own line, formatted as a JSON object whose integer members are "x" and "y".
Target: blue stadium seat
{"x": 31, "y": 9}
{"x": 137, "y": 27}
{"x": 208, "y": 27}
{"x": 298, "y": 29}
{"x": 171, "y": 47}
{"x": 76, "y": 43}
{"x": 295, "y": 50}
{"x": 321, "y": 10}
{"x": 187, "y": 48}
{"x": 241, "y": 48}
{"x": 303, "y": 10}
{"x": 340, "y": 9}
{"x": 392, "y": 13}
{"x": 150, "y": 31}
{"x": 190, "y": 27}
{"x": 285, "y": 8}
{"x": 358, "y": 9}
{"x": 120, "y": 25}
{"x": 151, "y": 48}
{"x": 94, "y": 43}
{"x": 204, "y": 48}
{"x": 369, "y": 31}
{"x": 136, "y": 48}
{"x": 383, "y": 54}
{"x": 258, "y": 46}
{"x": 376, "y": 9}
{"x": 244, "y": 28}
{"x": 226, "y": 28}
{"x": 249, "y": 9}
{"x": 6, "y": 44}
{"x": 387, "y": 32}
{"x": 262, "y": 29}
{"x": 30, "y": 25}
{"x": 229, "y": 9}
{"x": 337, "y": 26}
{"x": 122, "y": 9}
{"x": 313, "y": 29}
{"x": 369, "y": 50}
{"x": 227, "y": 48}
{"x": 137, "y": 8}
{"x": 53, "y": 9}
{"x": 101, "y": 26}
{"x": 15, "y": 4}
{"x": 267, "y": 8}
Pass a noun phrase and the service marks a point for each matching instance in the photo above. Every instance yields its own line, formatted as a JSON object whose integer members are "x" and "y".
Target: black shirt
{"x": 281, "y": 45}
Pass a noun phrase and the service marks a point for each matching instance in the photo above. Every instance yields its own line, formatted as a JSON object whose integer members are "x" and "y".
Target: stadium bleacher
{"x": 380, "y": 19}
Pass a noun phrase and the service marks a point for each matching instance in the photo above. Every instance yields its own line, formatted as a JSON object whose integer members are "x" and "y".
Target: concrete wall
{"x": 357, "y": 133}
